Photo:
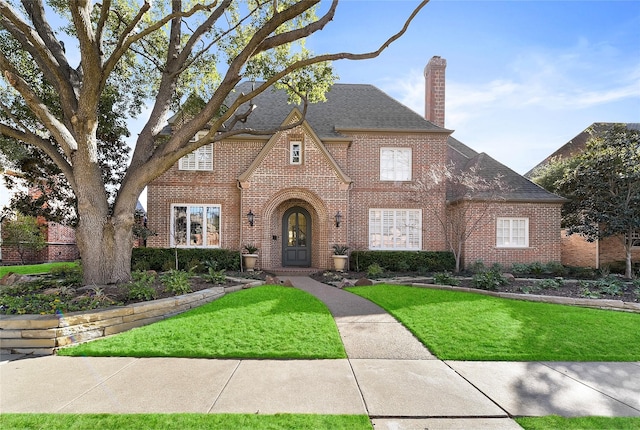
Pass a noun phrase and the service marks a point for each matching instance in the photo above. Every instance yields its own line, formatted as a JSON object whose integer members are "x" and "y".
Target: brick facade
{"x": 544, "y": 235}
{"x": 335, "y": 176}
{"x": 60, "y": 246}
{"x": 340, "y": 172}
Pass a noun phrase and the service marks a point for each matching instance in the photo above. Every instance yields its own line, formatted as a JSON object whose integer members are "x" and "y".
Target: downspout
{"x": 240, "y": 224}
{"x": 349, "y": 224}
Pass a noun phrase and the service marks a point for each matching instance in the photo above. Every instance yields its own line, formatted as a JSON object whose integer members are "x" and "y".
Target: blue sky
{"x": 523, "y": 77}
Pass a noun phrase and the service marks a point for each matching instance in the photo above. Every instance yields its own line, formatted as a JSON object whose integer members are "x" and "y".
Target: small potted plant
{"x": 249, "y": 257}
{"x": 340, "y": 257}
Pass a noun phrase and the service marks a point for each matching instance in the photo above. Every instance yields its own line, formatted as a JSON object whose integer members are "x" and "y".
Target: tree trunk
{"x": 628, "y": 273}
{"x": 104, "y": 240}
{"x": 105, "y": 249}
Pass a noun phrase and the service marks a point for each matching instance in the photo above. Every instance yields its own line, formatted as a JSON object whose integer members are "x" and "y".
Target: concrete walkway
{"x": 389, "y": 376}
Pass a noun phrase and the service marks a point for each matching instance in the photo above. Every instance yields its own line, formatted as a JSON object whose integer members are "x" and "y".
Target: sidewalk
{"x": 398, "y": 388}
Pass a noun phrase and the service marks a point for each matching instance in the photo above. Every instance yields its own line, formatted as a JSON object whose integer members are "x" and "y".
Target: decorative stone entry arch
{"x": 274, "y": 213}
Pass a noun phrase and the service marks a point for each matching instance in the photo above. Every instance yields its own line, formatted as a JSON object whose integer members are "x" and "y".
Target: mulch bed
{"x": 574, "y": 288}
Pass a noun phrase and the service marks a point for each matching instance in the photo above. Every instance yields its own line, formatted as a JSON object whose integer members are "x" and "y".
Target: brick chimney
{"x": 434, "y": 90}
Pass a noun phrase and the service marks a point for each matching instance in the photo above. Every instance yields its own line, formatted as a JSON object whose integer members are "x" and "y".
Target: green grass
{"x": 263, "y": 322}
{"x": 554, "y": 422}
{"x": 183, "y": 421}
{"x": 467, "y": 326}
{"x": 32, "y": 268}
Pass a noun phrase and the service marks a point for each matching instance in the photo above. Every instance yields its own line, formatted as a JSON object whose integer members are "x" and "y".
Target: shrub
{"x": 402, "y": 266}
{"x": 404, "y": 261}
{"x": 141, "y": 286}
{"x": 519, "y": 268}
{"x": 163, "y": 259}
{"x": 556, "y": 268}
{"x": 445, "y": 278}
{"x": 176, "y": 282}
{"x": 581, "y": 272}
{"x": 586, "y": 292}
{"x": 374, "y": 271}
{"x": 609, "y": 285}
{"x": 477, "y": 267}
{"x": 550, "y": 284}
{"x": 489, "y": 280}
{"x": 215, "y": 276}
{"x": 536, "y": 268}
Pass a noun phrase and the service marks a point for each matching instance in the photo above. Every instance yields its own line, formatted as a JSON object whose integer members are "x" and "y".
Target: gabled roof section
{"x": 519, "y": 188}
{"x": 349, "y": 107}
{"x": 294, "y": 115}
{"x": 579, "y": 143}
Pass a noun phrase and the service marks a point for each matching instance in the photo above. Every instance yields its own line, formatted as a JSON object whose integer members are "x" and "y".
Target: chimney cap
{"x": 435, "y": 62}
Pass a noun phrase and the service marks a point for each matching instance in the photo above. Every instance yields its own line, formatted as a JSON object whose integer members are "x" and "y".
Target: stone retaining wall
{"x": 42, "y": 334}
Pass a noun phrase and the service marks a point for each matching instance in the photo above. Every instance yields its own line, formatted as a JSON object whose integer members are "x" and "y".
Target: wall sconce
{"x": 338, "y": 219}
{"x": 250, "y": 217}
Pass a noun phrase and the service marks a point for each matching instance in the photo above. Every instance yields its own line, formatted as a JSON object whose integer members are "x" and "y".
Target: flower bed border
{"x": 43, "y": 334}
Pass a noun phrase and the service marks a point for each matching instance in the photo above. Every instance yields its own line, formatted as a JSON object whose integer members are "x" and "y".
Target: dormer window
{"x": 200, "y": 159}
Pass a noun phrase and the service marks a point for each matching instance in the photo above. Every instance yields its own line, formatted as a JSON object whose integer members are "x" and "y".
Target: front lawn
{"x": 467, "y": 326}
{"x": 263, "y": 322}
{"x": 32, "y": 269}
{"x": 184, "y": 421}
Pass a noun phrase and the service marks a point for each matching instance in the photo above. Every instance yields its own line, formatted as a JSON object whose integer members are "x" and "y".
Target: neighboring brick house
{"x": 60, "y": 246}
{"x": 60, "y": 242}
{"x": 342, "y": 177}
{"x": 576, "y": 250}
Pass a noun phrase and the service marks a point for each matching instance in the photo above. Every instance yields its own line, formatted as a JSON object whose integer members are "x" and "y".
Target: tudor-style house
{"x": 341, "y": 177}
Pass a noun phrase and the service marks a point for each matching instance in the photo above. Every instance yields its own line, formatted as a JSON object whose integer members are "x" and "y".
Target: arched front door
{"x": 296, "y": 238}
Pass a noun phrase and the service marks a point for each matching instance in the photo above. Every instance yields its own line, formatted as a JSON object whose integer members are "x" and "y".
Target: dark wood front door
{"x": 296, "y": 238}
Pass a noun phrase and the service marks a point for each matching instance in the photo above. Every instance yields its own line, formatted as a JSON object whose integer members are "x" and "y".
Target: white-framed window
{"x": 195, "y": 225}
{"x": 200, "y": 159}
{"x": 512, "y": 233}
{"x": 635, "y": 239}
{"x": 399, "y": 229}
{"x": 395, "y": 164}
{"x": 295, "y": 152}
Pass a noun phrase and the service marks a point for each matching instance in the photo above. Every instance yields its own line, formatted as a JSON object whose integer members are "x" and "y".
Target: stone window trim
{"x": 195, "y": 225}
{"x": 395, "y": 229}
{"x": 512, "y": 232}
{"x": 199, "y": 160}
{"x": 395, "y": 163}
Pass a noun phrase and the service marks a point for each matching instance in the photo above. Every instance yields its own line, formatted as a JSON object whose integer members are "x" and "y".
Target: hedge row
{"x": 403, "y": 261}
{"x": 162, "y": 259}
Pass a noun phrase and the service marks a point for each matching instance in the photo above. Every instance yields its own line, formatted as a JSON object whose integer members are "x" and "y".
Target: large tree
{"x": 168, "y": 51}
{"x": 603, "y": 184}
